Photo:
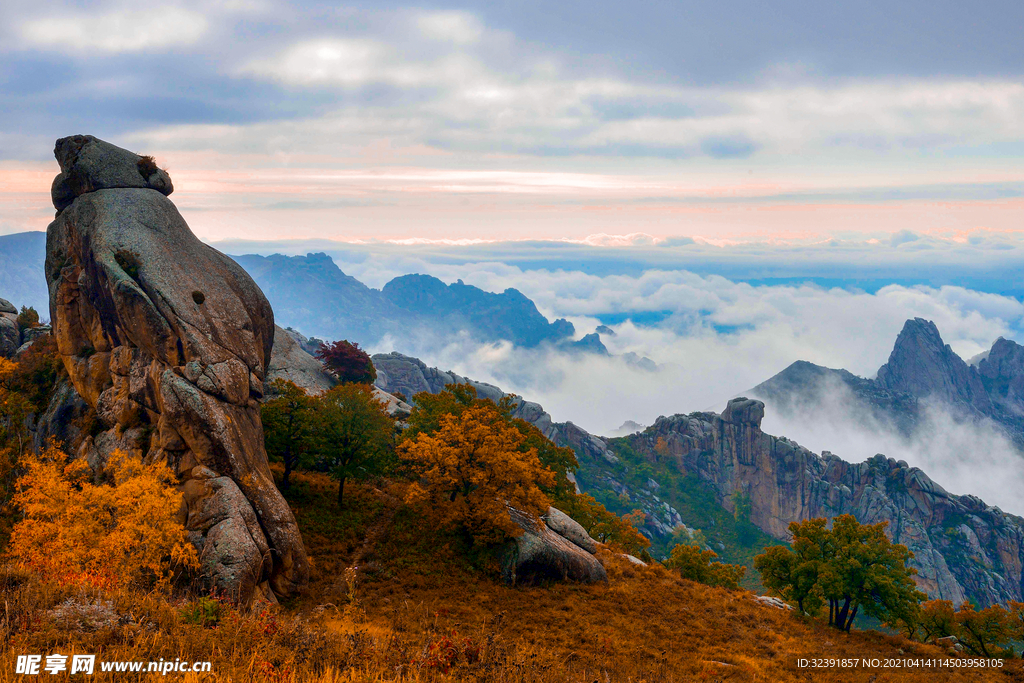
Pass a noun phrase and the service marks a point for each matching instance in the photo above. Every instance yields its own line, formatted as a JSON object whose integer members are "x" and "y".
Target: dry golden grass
{"x": 416, "y": 610}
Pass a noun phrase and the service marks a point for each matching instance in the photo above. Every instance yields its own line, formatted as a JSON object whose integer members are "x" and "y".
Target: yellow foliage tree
{"x": 471, "y": 468}
{"x": 120, "y": 534}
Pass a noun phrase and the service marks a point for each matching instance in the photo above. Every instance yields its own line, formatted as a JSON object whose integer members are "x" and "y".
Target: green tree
{"x": 699, "y": 565}
{"x": 27, "y": 318}
{"x": 353, "y": 435}
{"x": 853, "y": 567}
{"x": 793, "y": 575}
{"x": 288, "y": 426}
{"x": 348, "y": 362}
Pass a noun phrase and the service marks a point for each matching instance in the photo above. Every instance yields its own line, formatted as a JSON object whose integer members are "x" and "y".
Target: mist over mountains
{"x": 670, "y": 341}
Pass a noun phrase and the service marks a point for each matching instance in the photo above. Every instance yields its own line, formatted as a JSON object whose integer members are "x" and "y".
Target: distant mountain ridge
{"x": 312, "y": 294}
{"x": 920, "y": 369}
{"x": 21, "y": 270}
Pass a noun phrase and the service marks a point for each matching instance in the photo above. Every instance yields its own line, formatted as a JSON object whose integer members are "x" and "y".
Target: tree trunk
{"x": 341, "y": 491}
{"x": 840, "y": 622}
{"x": 853, "y": 616}
{"x": 287, "y": 470}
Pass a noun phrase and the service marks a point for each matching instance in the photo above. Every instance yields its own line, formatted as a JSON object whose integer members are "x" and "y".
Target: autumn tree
{"x": 121, "y": 533}
{"x": 347, "y": 362}
{"x": 852, "y": 566}
{"x": 471, "y": 468}
{"x": 699, "y": 565}
{"x": 983, "y": 631}
{"x": 937, "y": 619}
{"x": 353, "y": 434}
{"x": 455, "y": 398}
{"x": 1016, "y": 610}
{"x": 288, "y": 426}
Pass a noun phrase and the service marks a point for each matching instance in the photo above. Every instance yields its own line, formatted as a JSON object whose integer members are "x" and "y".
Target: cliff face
{"x": 963, "y": 548}
{"x": 169, "y": 341}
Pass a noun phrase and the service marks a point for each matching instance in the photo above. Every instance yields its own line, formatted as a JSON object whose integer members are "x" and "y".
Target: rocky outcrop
{"x": 1002, "y": 375}
{"x": 10, "y": 337}
{"x": 551, "y": 549}
{"x": 963, "y": 548}
{"x": 290, "y": 362}
{"x": 169, "y": 341}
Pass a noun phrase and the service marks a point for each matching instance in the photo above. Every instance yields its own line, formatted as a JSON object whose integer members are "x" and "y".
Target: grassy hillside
{"x": 392, "y": 601}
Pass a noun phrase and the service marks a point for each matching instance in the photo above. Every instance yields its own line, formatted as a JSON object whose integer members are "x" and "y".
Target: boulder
{"x": 568, "y": 528}
{"x": 8, "y": 308}
{"x": 169, "y": 341}
{"x": 540, "y": 553}
{"x": 88, "y": 164}
{"x": 291, "y": 362}
{"x": 743, "y": 411}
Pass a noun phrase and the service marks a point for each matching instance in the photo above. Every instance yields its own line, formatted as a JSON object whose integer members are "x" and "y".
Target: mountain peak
{"x": 922, "y": 365}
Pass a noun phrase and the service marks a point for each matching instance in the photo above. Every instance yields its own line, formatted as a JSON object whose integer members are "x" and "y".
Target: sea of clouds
{"x": 713, "y": 338}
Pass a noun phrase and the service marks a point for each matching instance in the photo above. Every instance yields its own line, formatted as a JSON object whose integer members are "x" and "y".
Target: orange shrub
{"x": 104, "y": 535}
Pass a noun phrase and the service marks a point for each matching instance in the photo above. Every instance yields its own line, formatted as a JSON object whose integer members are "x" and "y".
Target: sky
{"x": 600, "y": 122}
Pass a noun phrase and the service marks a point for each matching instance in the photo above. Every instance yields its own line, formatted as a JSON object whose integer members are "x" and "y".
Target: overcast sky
{"x": 731, "y": 120}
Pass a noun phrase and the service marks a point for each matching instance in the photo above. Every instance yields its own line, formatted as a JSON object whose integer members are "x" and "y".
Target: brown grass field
{"x": 416, "y": 610}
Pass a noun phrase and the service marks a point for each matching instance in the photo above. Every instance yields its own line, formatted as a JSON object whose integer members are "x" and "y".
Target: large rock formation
{"x": 169, "y": 341}
{"x": 922, "y": 365}
{"x": 292, "y": 363}
{"x": 963, "y": 548}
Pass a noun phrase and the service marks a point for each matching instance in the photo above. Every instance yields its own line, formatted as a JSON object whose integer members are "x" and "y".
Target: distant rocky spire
{"x": 921, "y": 365}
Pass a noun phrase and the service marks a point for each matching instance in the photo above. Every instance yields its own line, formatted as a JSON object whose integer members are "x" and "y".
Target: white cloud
{"x": 532, "y": 104}
{"x": 146, "y": 29}
{"x": 457, "y": 27}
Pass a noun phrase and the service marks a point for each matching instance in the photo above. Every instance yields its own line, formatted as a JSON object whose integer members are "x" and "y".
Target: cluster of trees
{"x": 989, "y": 632}
{"x": 345, "y": 432}
{"x": 850, "y": 567}
{"x": 466, "y": 458}
{"x": 701, "y": 565}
